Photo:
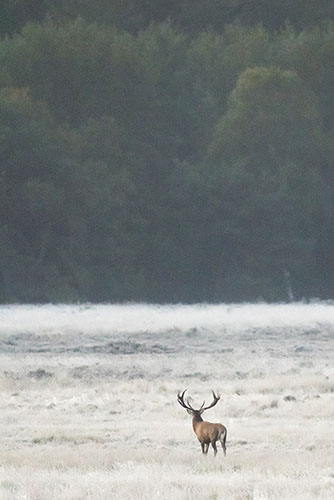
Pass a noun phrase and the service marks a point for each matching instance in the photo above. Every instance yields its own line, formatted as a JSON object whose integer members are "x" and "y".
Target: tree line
{"x": 172, "y": 151}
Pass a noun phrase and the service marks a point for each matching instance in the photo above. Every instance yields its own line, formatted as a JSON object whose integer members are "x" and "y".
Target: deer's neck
{"x": 197, "y": 419}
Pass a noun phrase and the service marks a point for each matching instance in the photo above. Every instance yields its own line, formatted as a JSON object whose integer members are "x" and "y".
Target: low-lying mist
{"x": 131, "y": 318}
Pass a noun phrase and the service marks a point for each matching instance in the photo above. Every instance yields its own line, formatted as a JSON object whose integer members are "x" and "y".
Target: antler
{"x": 180, "y": 398}
{"x": 216, "y": 398}
{"x": 187, "y": 406}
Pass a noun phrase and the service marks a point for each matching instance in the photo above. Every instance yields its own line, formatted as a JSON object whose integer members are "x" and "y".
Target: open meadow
{"x": 89, "y": 410}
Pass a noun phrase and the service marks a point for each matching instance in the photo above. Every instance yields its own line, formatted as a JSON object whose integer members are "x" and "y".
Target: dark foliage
{"x": 176, "y": 151}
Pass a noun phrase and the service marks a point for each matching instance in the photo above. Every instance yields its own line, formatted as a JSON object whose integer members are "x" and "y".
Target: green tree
{"x": 269, "y": 142}
{"x": 34, "y": 202}
{"x": 272, "y": 117}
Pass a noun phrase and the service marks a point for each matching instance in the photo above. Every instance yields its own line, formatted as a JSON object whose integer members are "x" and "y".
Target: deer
{"x": 206, "y": 432}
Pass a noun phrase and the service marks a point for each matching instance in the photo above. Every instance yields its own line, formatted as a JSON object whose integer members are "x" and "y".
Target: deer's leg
{"x": 223, "y": 442}
{"x": 214, "y": 446}
{"x": 206, "y": 448}
{"x": 202, "y": 446}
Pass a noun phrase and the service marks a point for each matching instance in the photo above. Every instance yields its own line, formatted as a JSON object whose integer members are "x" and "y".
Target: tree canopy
{"x": 176, "y": 151}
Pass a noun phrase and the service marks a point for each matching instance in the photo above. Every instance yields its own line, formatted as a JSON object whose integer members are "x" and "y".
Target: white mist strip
{"x": 131, "y": 318}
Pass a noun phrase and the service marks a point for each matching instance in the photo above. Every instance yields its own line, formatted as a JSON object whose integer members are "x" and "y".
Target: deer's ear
{"x": 200, "y": 412}
{"x": 190, "y": 412}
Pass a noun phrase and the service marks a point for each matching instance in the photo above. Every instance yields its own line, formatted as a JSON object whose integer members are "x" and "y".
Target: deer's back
{"x": 207, "y": 432}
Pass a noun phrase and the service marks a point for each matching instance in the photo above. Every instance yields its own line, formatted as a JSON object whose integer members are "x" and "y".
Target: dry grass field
{"x": 89, "y": 411}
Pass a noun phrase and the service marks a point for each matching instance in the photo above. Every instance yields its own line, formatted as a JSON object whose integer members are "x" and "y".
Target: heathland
{"x": 89, "y": 410}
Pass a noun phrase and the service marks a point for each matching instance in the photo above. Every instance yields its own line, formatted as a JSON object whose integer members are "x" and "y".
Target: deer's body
{"x": 207, "y": 433}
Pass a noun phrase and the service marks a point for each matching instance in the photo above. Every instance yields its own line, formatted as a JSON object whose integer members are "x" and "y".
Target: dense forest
{"x": 166, "y": 150}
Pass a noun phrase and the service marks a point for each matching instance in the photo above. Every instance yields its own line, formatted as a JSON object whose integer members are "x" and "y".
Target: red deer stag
{"x": 206, "y": 432}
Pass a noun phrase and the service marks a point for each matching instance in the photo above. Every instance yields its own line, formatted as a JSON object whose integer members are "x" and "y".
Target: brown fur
{"x": 208, "y": 433}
